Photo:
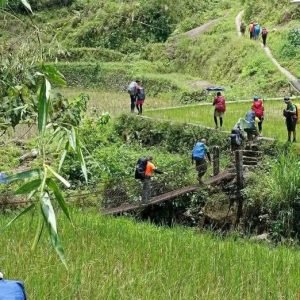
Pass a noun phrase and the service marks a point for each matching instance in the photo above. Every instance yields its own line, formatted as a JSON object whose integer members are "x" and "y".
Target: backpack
{"x": 235, "y": 137}
{"x": 258, "y": 108}
{"x": 199, "y": 151}
{"x": 220, "y": 104}
{"x": 141, "y": 94}
{"x": 140, "y": 168}
{"x": 264, "y": 32}
{"x": 132, "y": 88}
{"x": 11, "y": 289}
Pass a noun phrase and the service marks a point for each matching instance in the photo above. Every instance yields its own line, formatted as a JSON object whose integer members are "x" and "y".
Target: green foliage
{"x": 294, "y": 37}
{"x": 192, "y": 97}
{"x": 86, "y": 54}
{"x": 273, "y": 196}
{"x": 116, "y": 77}
{"x": 178, "y": 138}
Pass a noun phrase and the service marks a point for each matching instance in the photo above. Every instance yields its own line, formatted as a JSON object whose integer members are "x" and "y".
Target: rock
{"x": 261, "y": 237}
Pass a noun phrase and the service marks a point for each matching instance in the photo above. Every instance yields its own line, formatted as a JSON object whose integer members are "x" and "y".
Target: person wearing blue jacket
{"x": 256, "y": 31}
{"x": 200, "y": 154}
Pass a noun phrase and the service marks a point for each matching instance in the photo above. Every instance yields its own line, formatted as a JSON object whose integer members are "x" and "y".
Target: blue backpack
{"x": 199, "y": 151}
{"x": 12, "y": 290}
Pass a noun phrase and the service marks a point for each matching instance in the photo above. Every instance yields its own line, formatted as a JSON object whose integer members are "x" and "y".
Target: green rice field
{"x": 202, "y": 114}
{"x": 120, "y": 259}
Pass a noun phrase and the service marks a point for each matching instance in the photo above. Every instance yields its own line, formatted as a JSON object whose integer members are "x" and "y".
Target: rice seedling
{"x": 202, "y": 114}
{"x": 120, "y": 259}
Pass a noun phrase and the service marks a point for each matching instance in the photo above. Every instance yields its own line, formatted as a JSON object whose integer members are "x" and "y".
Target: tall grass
{"x": 119, "y": 259}
{"x": 273, "y": 126}
{"x": 285, "y": 179}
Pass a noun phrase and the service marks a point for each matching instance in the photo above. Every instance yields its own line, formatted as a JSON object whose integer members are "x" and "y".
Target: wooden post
{"x": 216, "y": 160}
{"x": 239, "y": 184}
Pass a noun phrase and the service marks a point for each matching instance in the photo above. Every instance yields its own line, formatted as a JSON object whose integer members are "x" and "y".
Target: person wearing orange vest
{"x": 258, "y": 108}
{"x": 220, "y": 108}
{"x": 251, "y": 30}
{"x": 149, "y": 172}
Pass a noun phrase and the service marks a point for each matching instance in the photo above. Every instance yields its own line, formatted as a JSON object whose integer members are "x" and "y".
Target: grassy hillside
{"x": 119, "y": 259}
{"x": 282, "y": 20}
{"x": 106, "y": 44}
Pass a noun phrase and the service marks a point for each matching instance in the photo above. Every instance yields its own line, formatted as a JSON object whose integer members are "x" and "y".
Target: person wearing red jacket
{"x": 258, "y": 108}
{"x": 220, "y": 108}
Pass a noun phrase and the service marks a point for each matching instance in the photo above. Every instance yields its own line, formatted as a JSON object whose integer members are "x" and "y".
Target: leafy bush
{"x": 294, "y": 37}
{"x": 86, "y": 54}
{"x": 178, "y": 138}
{"x": 195, "y": 96}
{"x": 273, "y": 197}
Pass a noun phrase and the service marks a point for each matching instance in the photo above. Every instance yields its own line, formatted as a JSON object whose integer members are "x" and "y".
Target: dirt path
{"x": 291, "y": 78}
{"x": 201, "y": 29}
{"x": 238, "y": 21}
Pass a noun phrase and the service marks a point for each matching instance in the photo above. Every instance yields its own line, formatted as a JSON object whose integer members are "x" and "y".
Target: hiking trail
{"x": 295, "y": 82}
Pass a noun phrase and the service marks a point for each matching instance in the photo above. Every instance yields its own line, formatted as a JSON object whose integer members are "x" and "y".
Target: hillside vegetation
{"x": 106, "y": 44}
{"x": 282, "y": 20}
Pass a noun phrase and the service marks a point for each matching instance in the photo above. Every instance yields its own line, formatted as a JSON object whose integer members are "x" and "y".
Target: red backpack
{"x": 220, "y": 104}
{"x": 258, "y": 108}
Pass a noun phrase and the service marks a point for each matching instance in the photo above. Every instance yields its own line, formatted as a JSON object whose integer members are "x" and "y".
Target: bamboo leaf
{"x": 50, "y": 219}
{"x": 43, "y": 105}
{"x": 23, "y": 175}
{"x": 72, "y": 138}
{"x": 28, "y": 187}
{"x": 54, "y": 75}
{"x": 39, "y": 231}
{"x": 62, "y": 159}
{"x": 27, "y": 209}
{"x": 59, "y": 177}
{"x": 82, "y": 163}
{"x": 59, "y": 196}
{"x": 27, "y": 5}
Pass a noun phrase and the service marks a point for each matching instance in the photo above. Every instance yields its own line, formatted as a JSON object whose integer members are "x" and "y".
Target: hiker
{"x": 248, "y": 125}
{"x": 144, "y": 171}
{"x": 220, "y": 108}
{"x": 258, "y": 108}
{"x": 132, "y": 90}
{"x": 291, "y": 118}
{"x": 200, "y": 154}
{"x": 251, "y": 30}
{"x": 11, "y": 289}
{"x": 243, "y": 28}
{"x": 140, "y": 98}
{"x": 264, "y": 34}
{"x": 256, "y": 31}
{"x": 236, "y": 137}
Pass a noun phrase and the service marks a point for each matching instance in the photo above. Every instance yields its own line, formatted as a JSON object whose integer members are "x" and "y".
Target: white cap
{"x": 1, "y": 275}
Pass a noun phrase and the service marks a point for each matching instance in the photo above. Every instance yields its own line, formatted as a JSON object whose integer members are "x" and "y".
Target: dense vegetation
{"x": 103, "y": 45}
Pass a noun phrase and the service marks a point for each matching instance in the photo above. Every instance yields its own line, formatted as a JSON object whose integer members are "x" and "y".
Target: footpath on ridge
{"x": 295, "y": 82}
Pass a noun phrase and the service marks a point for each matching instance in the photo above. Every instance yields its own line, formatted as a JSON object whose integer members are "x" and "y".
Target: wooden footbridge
{"x": 226, "y": 175}
{"x": 244, "y": 158}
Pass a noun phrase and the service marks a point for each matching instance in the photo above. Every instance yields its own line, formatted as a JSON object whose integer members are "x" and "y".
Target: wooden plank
{"x": 168, "y": 196}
